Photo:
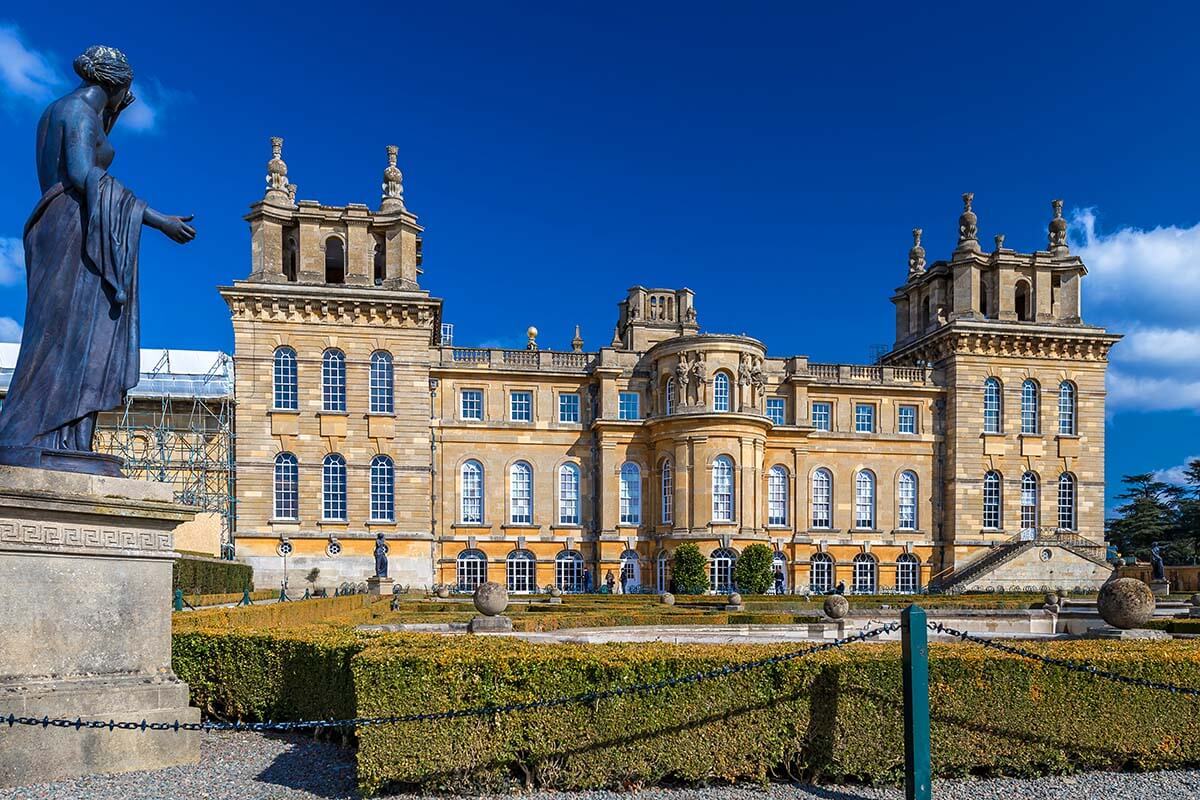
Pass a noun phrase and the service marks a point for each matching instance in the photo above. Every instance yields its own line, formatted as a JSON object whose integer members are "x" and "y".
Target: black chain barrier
{"x": 481, "y": 711}
{"x": 1063, "y": 663}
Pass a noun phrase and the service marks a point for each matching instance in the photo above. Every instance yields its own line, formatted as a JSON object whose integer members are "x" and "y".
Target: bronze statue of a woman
{"x": 80, "y": 345}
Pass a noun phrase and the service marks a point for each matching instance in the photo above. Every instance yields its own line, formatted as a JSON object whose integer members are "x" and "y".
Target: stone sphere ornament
{"x": 443, "y": 591}
{"x": 1051, "y": 599}
{"x": 735, "y": 599}
{"x": 1196, "y": 600}
{"x": 491, "y": 599}
{"x": 555, "y": 591}
{"x": 667, "y": 599}
{"x": 1125, "y": 603}
{"x": 836, "y": 606}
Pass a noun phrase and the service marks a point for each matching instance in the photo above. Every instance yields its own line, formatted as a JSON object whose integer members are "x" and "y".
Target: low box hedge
{"x": 197, "y": 575}
{"x": 276, "y": 616}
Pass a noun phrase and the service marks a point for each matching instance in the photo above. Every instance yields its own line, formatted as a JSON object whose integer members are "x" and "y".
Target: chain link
{"x": 480, "y": 711}
{"x": 1063, "y": 663}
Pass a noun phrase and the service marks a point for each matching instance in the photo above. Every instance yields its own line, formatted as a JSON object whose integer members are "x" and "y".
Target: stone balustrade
{"x": 542, "y": 360}
{"x": 872, "y": 373}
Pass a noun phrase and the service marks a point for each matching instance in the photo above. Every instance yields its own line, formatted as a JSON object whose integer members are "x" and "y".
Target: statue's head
{"x": 107, "y": 68}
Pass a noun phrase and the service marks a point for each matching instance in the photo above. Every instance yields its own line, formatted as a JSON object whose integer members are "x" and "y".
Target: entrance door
{"x": 631, "y": 572}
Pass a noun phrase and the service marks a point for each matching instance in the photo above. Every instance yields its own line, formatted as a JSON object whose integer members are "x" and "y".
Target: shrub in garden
{"x": 753, "y": 571}
{"x": 690, "y": 570}
{"x": 210, "y": 576}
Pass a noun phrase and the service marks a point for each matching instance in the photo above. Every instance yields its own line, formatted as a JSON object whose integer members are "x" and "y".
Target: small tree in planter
{"x": 312, "y": 576}
{"x": 690, "y": 570}
{"x": 753, "y": 572}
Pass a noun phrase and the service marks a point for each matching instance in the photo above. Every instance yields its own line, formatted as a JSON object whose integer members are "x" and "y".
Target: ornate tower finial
{"x": 277, "y": 177}
{"x": 1058, "y": 230}
{"x": 967, "y": 226}
{"x": 532, "y": 333}
{"x": 916, "y": 256}
{"x": 291, "y": 190}
{"x": 577, "y": 341}
{"x": 393, "y": 187}
{"x": 999, "y": 237}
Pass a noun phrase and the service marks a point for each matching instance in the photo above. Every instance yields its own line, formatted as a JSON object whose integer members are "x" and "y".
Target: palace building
{"x": 971, "y": 456}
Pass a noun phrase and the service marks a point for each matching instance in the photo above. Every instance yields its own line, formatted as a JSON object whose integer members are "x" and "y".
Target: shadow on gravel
{"x": 323, "y": 769}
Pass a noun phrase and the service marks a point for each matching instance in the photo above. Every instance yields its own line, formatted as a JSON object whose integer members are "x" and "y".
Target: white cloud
{"x": 12, "y": 261}
{"x": 1148, "y": 393}
{"x": 1177, "y": 475}
{"x": 10, "y": 330}
{"x": 25, "y": 72}
{"x": 143, "y": 114}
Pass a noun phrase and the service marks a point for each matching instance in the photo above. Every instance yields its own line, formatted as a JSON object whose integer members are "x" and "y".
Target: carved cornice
{"x": 375, "y": 307}
{"x": 1064, "y": 344}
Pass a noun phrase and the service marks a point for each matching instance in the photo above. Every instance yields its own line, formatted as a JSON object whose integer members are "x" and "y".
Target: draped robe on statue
{"x": 80, "y": 348}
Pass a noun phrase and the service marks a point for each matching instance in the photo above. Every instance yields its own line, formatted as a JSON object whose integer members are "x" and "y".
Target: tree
{"x": 1149, "y": 516}
{"x": 690, "y": 569}
{"x": 754, "y": 572}
{"x": 312, "y": 576}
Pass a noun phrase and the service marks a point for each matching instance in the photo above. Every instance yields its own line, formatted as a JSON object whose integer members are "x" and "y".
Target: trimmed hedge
{"x": 277, "y": 616}
{"x": 199, "y": 600}
{"x": 210, "y": 576}
{"x": 1185, "y": 625}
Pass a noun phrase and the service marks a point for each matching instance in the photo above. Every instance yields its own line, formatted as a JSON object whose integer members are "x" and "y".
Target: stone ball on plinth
{"x": 735, "y": 599}
{"x": 491, "y": 599}
{"x": 1196, "y": 600}
{"x": 1051, "y": 599}
{"x": 555, "y": 591}
{"x": 836, "y": 606}
{"x": 443, "y": 591}
{"x": 667, "y": 599}
{"x": 1125, "y": 603}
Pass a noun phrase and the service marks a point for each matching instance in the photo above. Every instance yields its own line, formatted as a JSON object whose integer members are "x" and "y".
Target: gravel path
{"x": 248, "y": 766}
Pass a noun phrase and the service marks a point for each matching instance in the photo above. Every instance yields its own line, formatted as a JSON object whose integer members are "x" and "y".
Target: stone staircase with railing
{"x": 1002, "y": 553}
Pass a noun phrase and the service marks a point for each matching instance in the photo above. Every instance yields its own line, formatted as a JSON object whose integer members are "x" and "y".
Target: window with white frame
{"x": 568, "y": 571}
{"x": 628, "y": 406}
{"x": 866, "y": 571}
{"x": 1066, "y": 408}
{"x": 777, "y": 496}
{"x": 287, "y": 392}
{"x": 521, "y": 572}
{"x": 470, "y": 570}
{"x": 864, "y": 417}
{"x": 906, "y": 419}
{"x": 721, "y": 391}
{"x": 631, "y": 494}
{"x": 568, "y": 494}
{"x": 991, "y": 500}
{"x": 822, "y": 415}
{"x": 382, "y": 393}
{"x": 333, "y": 488}
{"x": 333, "y": 381}
{"x": 720, "y": 570}
{"x": 1029, "y": 407}
{"x": 668, "y": 492}
{"x": 568, "y": 407}
{"x": 631, "y": 571}
{"x": 908, "y": 573}
{"x": 820, "y": 573}
{"x": 822, "y": 498}
{"x": 471, "y": 493}
{"x": 520, "y": 493}
{"x": 864, "y": 500}
{"x": 520, "y": 406}
{"x": 662, "y": 571}
{"x": 906, "y": 501}
{"x": 776, "y": 410}
{"x": 991, "y": 406}
{"x": 722, "y": 489}
{"x": 287, "y": 486}
{"x": 779, "y": 569}
{"x": 1066, "y": 501}
{"x": 669, "y": 405}
{"x": 470, "y": 404}
{"x": 1029, "y": 501}
{"x": 383, "y": 489}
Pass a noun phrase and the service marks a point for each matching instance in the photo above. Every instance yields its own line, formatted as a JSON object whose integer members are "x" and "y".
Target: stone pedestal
{"x": 482, "y": 624}
{"x": 379, "y": 587}
{"x": 1125, "y": 634}
{"x": 85, "y": 593}
{"x": 1160, "y": 588}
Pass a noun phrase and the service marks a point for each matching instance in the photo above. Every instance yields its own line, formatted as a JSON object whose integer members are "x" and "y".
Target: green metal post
{"x": 179, "y": 599}
{"x": 915, "y": 649}
{"x": 245, "y": 601}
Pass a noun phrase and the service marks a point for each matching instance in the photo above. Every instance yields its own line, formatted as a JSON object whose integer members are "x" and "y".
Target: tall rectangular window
{"x": 286, "y": 383}
{"x": 628, "y": 406}
{"x": 471, "y": 404}
{"x": 991, "y": 501}
{"x": 776, "y": 410}
{"x": 906, "y": 419}
{"x": 864, "y": 418}
{"x": 822, "y": 416}
{"x": 568, "y": 407}
{"x": 777, "y": 496}
{"x": 822, "y": 499}
{"x": 521, "y": 406}
{"x": 568, "y": 495}
{"x": 333, "y": 381}
{"x": 381, "y": 383}
{"x": 383, "y": 490}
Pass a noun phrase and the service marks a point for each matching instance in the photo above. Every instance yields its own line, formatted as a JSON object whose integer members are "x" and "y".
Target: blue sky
{"x": 772, "y": 157}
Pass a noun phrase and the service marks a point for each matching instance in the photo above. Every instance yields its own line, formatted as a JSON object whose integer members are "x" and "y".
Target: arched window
{"x": 669, "y": 406}
{"x": 631, "y": 494}
{"x": 721, "y": 391}
{"x": 864, "y": 500}
{"x": 668, "y": 492}
{"x": 777, "y": 496}
{"x": 520, "y": 494}
{"x": 335, "y": 260}
{"x": 287, "y": 394}
{"x": 720, "y": 569}
{"x": 1029, "y": 407}
{"x": 866, "y": 571}
{"x": 1023, "y": 304}
{"x": 991, "y": 406}
{"x": 926, "y": 313}
{"x": 471, "y": 493}
{"x": 906, "y": 501}
{"x": 333, "y": 487}
{"x": 333, "y": 381}
{"x": 722, "y": 489}
{"x": 290, "y": 258}
{"x": 287, "y": 487}
{"x": 985, "y": 297}
{"x": 521, "y": 572}
{"x": 779, "y": 569}
{"x": 908, "y": 574}
{"x": 822, "y": 499}
{"x": 991, "y": 500}
{"x": 380, "y": 259}
{"x": 1029, "y": 501}
{"x": 382, "y": 401}
{"x": 383, "y": 489}
{"x": 1066, "y": 408}
{"x": 820, "y": 573}
{"x": 470, "y": 570}
{"x": 631, "y": 571}
{"x": 1066, "y": 501}
{"x": 568, "y": 571}
{"x": 568, "y": 494}
{"x": 662, "y": 571}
